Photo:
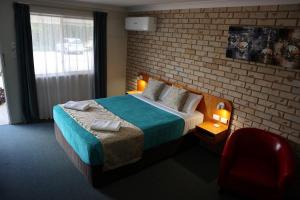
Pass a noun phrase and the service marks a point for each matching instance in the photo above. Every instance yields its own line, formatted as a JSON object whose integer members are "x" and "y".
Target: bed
{"x": 150, "y": 132}
{"x": 155, "y": 131}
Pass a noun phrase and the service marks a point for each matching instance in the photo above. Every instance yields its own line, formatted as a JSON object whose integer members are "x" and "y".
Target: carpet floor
{"x": 33, "y": 166}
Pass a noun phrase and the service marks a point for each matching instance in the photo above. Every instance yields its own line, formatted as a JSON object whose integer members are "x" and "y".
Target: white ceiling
{"x": 206, "y": 4}
{"x": 129, "y": 3}
{"x": 143, "y": 5}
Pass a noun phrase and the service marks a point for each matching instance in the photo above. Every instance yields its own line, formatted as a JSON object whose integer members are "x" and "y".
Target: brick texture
{"x": 189, "y": 48}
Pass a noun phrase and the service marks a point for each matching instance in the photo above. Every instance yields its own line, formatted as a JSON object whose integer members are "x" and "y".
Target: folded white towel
{"x": 77, "y": 105}
{"x": 105, "y": 125}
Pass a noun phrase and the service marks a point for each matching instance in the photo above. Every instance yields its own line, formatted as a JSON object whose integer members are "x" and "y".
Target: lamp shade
{"x": 224, "y": 113}
{"x": 141, "y": 84}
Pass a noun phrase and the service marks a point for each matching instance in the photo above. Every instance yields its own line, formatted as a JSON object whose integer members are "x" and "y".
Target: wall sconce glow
{"x": 141, "y": 84}
{"x": 224, "y": 114}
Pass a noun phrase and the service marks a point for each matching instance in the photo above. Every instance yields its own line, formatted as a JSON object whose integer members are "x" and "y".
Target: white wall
{"x": 7, "y": 38}
{"x": 116, "y": 49}
{"x": 116, "y": 54}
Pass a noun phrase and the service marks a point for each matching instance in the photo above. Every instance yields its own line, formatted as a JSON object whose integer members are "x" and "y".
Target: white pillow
{"x": 175, "y": 98}
{"x": 164, "y": 92}
{"x": 191, "y": 102}
{"x": 153, "y": 89}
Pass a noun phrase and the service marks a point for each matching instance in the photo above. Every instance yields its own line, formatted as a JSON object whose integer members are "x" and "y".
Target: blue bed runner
{"x": 157, "y": 125}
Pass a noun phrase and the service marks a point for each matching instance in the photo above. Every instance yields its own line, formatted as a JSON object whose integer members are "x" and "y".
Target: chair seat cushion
{"x": 253, "y": 174}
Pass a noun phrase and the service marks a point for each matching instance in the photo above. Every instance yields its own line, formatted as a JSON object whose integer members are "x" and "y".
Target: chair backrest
{"x": 253, "y": 142}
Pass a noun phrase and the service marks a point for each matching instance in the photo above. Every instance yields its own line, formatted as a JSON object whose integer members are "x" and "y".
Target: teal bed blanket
{"x": 158, "y": 126}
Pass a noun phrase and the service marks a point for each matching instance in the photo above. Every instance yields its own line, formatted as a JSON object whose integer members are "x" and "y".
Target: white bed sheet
{"x": 191, "y": 120}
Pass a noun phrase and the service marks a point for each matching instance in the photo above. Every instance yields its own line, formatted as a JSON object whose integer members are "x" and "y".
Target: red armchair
{"x": 256, "y": 163}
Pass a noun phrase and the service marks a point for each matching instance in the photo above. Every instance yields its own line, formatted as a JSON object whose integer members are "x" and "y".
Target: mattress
{"x": 191, "y": 120}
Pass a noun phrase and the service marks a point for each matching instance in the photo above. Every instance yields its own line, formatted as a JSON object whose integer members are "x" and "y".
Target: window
{"x": 63, "y": 59}
{"x": 62, "y": 44}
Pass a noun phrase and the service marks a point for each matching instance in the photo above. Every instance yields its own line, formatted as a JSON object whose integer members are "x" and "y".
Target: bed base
{"x": 98, "y": 178}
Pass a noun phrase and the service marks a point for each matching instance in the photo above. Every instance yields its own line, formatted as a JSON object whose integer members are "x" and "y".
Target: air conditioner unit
{"x": 140, "y": 23}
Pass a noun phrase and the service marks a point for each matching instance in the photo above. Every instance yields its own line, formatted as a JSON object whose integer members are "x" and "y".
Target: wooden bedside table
{"x": 134, "y": 92}
{"x": 210, "y": 134}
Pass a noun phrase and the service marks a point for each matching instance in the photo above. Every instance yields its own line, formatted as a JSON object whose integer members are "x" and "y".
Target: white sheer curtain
{"x": 63, "y": 59}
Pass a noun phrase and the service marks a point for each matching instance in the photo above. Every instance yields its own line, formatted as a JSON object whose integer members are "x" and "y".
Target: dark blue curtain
{"x": 100, "y": 54}
{"x": 25, "y": 63}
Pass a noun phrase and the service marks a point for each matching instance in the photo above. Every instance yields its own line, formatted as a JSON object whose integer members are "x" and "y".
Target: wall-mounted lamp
{"x": 221, "y": 106}
{"x": 222, "y": 114}
{"x": 141, "y": 83}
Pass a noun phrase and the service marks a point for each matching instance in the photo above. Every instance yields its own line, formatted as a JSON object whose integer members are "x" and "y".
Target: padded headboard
{"x": 208, "y": 105}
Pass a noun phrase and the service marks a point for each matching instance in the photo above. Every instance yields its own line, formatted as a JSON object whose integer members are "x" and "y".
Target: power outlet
{"x": 223, "y": 120}
{"x": 216, "y": 117}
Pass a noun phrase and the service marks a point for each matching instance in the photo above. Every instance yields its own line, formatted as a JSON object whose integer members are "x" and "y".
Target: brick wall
{"x": 189, "y": 48}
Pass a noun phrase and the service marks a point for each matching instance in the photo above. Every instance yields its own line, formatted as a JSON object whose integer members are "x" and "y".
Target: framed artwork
{"x": 265, "y": 45}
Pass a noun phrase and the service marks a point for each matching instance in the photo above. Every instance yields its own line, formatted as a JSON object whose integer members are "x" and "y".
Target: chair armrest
{"x": 230, "y": 146}
{"x": 227, "y": 158}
